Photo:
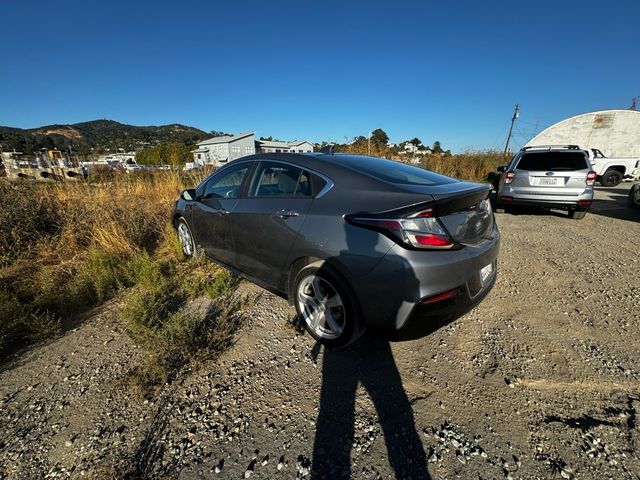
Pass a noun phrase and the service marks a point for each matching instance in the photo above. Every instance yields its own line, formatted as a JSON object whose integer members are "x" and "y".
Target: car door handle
{"x": 223, "y": 211}
{"x": 287, "y": 213}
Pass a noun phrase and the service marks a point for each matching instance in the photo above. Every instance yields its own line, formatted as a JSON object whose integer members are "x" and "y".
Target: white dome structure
{"x": 615, "y": 132}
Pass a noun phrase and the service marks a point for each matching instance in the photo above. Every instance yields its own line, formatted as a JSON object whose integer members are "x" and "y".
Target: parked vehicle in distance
{"x": 633, "y": 200}
{"x": 354, "y": 242}
{"x": 553, "y": 177}
{"x": 611, "y": 171}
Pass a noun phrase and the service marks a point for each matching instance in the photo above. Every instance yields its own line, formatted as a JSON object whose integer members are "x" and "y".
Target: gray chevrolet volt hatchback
{"x": 354, "y": 242}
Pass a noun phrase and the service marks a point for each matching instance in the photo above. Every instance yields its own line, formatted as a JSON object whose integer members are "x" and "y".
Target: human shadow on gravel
{"x": 370, "y": 363}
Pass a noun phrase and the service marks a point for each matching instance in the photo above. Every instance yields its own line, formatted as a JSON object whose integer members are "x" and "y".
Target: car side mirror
{"x": 188, "y": 195}
{"x": 502, "y": 168}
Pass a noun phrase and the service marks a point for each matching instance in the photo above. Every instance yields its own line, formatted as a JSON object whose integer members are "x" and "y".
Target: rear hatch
{"x": 456, "y": 214}
{"x": 554, "y": 173}
{"x": 465, "y": 211}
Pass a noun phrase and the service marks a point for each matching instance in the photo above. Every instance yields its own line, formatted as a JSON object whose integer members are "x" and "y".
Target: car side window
{"x": 226, "y": 184}
{"x": 280, "y": 180}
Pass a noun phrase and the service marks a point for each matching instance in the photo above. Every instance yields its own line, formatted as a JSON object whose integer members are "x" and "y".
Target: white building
{"x": 411, "y": 148}
{"x": 614, "y": 132}
{"x": 220, "y": 150}
{"x": 270, "y": 146}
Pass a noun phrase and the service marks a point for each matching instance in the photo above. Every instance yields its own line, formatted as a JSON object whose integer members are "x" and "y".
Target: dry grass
{"x": 476, "y": 166}
{"x": 66, "y": 247}
{"x": 71, "y": 246}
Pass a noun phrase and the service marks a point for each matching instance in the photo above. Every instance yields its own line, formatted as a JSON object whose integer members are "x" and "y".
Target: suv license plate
{"x": 485, "y": 273}
{"x": 548, "y": 181}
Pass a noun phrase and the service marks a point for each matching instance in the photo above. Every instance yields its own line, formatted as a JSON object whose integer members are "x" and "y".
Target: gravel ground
{"x": 542, "y": 380}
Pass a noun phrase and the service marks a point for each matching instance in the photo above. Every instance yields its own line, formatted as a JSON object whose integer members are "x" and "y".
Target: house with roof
{"x": 301, "y": 146}
{"x": 270, "y": 146}
{"x": 220, "y": 150}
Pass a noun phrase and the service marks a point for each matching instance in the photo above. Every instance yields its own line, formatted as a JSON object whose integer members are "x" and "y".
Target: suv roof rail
{"x": 550, "y": 147}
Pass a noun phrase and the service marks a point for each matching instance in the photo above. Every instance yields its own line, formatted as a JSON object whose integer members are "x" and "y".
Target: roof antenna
{"x": 330, "y": 148}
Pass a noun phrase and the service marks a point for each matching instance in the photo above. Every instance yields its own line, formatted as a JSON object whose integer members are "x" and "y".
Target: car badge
{"x": 549, "y": 174}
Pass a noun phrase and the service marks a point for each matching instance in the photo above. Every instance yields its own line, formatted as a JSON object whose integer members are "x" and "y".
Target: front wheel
{"x": 326, "y": 306}
{"x": 186, "y": 239}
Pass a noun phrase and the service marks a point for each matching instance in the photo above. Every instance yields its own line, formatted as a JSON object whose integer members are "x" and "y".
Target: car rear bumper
{"x": 393, "y": 295}
{"x": 563, "y": 198}
{"x": 560, "y": 204}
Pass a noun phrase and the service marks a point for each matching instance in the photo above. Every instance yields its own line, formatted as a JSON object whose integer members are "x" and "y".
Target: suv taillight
{"x": 509, "y": 176}
{"x": 591, "y": 177}
{"x": 420, "y": 230}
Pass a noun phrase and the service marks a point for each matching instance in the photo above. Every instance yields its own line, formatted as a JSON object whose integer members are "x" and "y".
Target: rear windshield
{"x": 552, "y": 161}
{"x": 396, "y": 172}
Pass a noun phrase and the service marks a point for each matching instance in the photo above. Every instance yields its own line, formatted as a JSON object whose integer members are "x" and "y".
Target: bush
{"x": 27, "y": 216}
{"x": 172, "y": 336}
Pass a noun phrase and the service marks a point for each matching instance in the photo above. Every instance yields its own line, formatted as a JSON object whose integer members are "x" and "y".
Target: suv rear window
{"x": 552, "y": 161}
{"x": 396, "y": 172}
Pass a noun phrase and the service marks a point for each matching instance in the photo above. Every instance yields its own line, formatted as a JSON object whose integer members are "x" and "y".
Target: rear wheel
{"x": 577, "y": 214}
{"x": 327, "y": 308}
{"x": 611, "y": 178}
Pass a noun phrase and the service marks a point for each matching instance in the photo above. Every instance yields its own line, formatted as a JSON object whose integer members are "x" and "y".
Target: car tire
{"x": 630, "y": 197}
{"x": 318, "y": 291}
{"x": 611, "y": 178}
{"x": 577, "y": 214}
{"x": 186, "y": 238}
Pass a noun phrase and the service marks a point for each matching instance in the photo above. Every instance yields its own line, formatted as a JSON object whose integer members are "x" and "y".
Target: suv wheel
{"x": 577, "y": 214}
{"x": 611, "y": 178}
{"x": 327, "y": 308}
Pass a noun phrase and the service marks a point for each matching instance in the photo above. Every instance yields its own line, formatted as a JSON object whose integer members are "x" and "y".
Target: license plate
{"x": 548, "y": 181}
{"x": 485, "y": 273}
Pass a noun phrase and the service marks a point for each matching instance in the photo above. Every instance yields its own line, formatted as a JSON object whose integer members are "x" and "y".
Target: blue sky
{"x": 323, "y": 70}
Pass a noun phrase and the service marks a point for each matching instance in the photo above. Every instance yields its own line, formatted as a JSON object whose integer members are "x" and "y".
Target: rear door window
{"x": 280, "y": 180}
{"x": 552, "y": 161}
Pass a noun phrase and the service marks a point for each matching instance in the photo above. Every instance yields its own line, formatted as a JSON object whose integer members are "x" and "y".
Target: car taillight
{"x": 420, "y": 230}
{"x": 509, "y": 176}
{"x": 591, "y": 177}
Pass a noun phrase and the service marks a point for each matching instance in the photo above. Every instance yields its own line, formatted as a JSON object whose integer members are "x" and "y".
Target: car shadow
{"x": 608, "y": 202}
{"x": 368, "y": 362}
{"x": 612, "y": 202}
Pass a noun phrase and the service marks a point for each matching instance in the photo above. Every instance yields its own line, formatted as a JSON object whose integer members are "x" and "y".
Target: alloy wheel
{"x": 321, "y": 307}
{"x": 185, "y": 239}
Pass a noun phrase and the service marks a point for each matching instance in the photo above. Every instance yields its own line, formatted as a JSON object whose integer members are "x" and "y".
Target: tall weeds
{"x": 66, "y": 247}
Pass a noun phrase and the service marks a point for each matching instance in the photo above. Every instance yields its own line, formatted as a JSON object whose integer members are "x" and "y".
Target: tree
{"x": 379, "y": 138}
{"x": 416, "y": 142}
{"x": 172, "y": 153}
{"x": 437, "y": 147}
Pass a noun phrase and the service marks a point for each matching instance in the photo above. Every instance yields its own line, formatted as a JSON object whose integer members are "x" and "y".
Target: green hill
{"x": 98, "y": 135}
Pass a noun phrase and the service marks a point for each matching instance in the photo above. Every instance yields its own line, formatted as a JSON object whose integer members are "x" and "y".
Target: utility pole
{"x": 516, "y": 114}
